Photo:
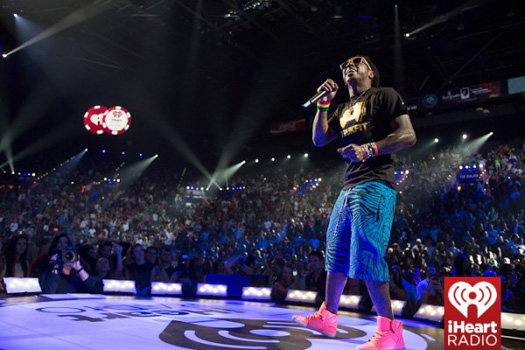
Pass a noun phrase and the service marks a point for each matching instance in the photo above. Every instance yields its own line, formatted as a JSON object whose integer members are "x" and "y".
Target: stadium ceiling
{"x": 475, "y": 40}
{"x": 192, "y": 54}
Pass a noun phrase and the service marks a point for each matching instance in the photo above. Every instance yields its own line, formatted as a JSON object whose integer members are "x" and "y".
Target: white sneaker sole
{"x": 330, "y": 335}
{"x": 379, "y": 348}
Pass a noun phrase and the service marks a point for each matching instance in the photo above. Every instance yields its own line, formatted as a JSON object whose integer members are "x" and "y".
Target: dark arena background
{"x": 199, "y": 223}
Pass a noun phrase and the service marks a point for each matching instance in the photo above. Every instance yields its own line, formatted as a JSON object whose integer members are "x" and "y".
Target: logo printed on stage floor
{"x": 472, "y": 313}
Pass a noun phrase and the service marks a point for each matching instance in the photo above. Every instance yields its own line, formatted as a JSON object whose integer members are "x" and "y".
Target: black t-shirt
{"x": 368, "y": 120}
{"x": 141, "y": 274}
{"x": 318, "y": 285}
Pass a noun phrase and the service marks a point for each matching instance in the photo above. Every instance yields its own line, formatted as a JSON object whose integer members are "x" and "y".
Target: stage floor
{"x": 124, "y": 322}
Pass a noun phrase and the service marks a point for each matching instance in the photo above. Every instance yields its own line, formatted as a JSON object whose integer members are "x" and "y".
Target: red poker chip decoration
{"x": 116, "y": 120}
{"x": 94, "y": 119}
{"x": 99, "y": 119}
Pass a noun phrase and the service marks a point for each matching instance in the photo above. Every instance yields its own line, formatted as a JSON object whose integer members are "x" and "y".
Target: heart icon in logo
{"x": 96, "y": 119}
{"x": 462, "y": 295}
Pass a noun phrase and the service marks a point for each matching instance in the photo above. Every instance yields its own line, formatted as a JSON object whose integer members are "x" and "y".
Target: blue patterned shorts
{"x": 359, "y": 230}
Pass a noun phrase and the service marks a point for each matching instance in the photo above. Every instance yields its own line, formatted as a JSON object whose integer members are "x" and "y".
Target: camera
{"x": 66, "y": 255}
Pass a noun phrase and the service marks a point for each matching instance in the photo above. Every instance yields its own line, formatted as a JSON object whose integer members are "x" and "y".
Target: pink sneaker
{"x": 389, "y": 335}
{"x": 322, "y": 321}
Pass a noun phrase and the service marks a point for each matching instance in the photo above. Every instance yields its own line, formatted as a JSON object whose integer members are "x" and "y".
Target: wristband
{"x": 370, "y": 150}
{"x": 78, "y": 271}
{"x": 365, "y": 155}
{"x": 376, "y": 150}
{"x": 323, "y": 106}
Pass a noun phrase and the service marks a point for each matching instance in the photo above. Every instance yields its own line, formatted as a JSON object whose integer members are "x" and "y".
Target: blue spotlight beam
{"x": 58, "y": 134}
{"x": 449, "y": 15}
{"x": 26, "y": 117}
{"x": 66, "y": 167}
{"x": 473, "y": 146}
{"x": 178, "y": 144}
{"x": 77, "y": 17}
{"x": 257, "y": 106}
{"x": 9, "y": 156}
{"x": 132, "y": 172}
{"x": 224, "y": 176}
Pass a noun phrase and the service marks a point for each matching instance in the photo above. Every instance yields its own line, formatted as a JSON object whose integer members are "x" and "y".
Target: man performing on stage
{"x": 372, "y": 125}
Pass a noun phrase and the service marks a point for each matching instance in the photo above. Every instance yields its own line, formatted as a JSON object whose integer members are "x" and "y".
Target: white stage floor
{"x": 120, "y": 322}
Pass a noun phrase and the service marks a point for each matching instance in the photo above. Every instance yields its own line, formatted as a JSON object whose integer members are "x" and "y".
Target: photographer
{"x": 65, "y": 274}
{"x": 316, "y": 277}
{"x": 430, "y": 290}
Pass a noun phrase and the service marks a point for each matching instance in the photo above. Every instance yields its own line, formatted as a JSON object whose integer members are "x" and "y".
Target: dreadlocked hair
{"x": 376, "y": 82}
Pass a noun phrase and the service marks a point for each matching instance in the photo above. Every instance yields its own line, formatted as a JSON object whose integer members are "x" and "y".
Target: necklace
{"x": 352, "y": 104}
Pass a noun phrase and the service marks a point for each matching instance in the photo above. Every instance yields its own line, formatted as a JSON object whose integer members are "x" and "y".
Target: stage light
{"x": 103, "y": 151}
{"x": 156, "y": 156}
{"x": 407, "y": 35}
{"x": 431, "y": 313}
{"x": 33, "y": 174}
{"x": 301, "y": 296}
{"x": 243, "y": 162}
{"x": 257, "y": 161}
{"x": 140, "y": 155}
{"x": 187, "y": 187}
{"x": 288, "y": 156}
{"x": 123, "y": 152}
{"x": 159, "y": 288}
{"x": 338, "y": 12}
{"x": 461, "y": 167}
{"x": 306, "y": 155}
{"x": 85, "y": 150}
{"x": 119, "y": 286}
{"x": 350, "y": 301}
{"x": 436, "y": 140}
{"x": 4, "y": 55}
{"x": 16, "y": 285}
{"x": 212, "y": 289}
{"x": 14, "y": 14}
{"x": 491, "y": 133}
{"x": 464, "y": 136}
{"x": 259, "y": 293}
{"x": 510, "y": 321}
{"x": 273, "y": 159}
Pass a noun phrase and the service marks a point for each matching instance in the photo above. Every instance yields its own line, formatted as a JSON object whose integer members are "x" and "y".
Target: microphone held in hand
{"x": 315, "y": 98}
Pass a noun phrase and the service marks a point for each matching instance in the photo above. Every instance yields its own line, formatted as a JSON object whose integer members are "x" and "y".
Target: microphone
{"x": 315, "y": 98}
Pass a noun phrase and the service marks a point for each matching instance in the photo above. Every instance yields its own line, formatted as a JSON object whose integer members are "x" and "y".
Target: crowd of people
{"x": 458, "y": 214}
